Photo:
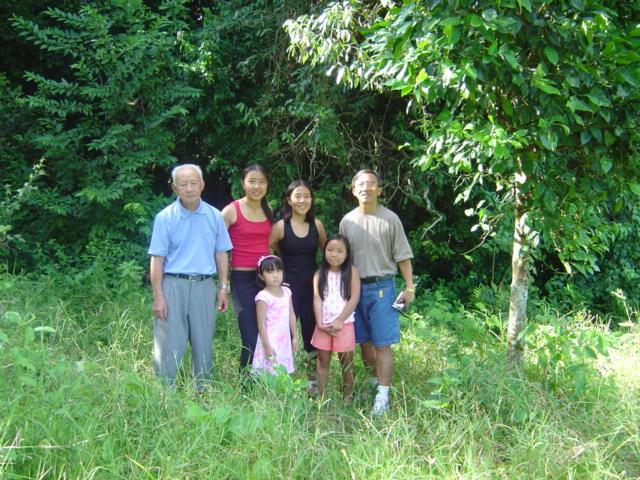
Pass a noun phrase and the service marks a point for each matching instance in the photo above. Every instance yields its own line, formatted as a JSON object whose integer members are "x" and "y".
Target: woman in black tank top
{"x": 297, "y": 238}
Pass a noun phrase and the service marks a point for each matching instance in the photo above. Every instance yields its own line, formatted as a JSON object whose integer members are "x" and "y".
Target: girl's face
{"x": 300, "y": 200}
{"x": 335, "y": 254}
{"x": 272, "y": 278}
{"x": 255, "y": 185}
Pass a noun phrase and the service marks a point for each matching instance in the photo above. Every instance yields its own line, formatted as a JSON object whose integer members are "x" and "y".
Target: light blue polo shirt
{"x": 188, "y": 240}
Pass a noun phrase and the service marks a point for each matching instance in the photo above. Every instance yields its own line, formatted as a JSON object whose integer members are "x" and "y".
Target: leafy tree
{"x": 286, "y": 116}
{"x": 534, "y": 102}
{"x": 106, "y": 120}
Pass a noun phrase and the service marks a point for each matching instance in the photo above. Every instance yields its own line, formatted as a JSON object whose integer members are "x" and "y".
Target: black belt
{"x": 375, "y": 279}
{"x": 193, "y": 278}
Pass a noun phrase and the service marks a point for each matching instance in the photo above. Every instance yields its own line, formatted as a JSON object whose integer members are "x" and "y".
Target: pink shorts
{"x": 345, "y": 341}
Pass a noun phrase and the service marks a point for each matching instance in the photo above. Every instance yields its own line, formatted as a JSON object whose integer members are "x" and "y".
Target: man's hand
{"x": 160, "y": 307}
{"x": 408, "y": 297}
{"x": 222, "y": 300}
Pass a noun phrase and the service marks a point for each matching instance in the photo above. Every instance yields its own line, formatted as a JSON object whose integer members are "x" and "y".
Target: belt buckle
{"x": 193, "y": 278}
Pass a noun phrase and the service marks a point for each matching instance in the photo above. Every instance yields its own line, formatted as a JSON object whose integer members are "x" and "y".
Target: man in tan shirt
{"x": 380, "y": 248}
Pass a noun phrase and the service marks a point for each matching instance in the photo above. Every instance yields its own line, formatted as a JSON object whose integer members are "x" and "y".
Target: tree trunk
{"x": 520, "y": 264}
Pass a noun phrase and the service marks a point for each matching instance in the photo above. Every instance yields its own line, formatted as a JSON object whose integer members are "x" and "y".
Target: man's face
{"x": 366, "y": 189}
{"x": 188, "y": 186}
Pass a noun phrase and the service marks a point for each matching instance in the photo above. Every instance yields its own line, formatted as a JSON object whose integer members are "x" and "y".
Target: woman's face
{"x": 300, "y": 200}
{"x": 255, "y": 185}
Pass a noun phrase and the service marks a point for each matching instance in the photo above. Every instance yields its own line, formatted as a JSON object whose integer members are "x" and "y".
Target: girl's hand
{"x": 269, "y": 352}
{"x": 328, "y": 328}
{"x": 294, "y": 344}
{"x": 337, "y": 325}
{"x": 325, "y": 327}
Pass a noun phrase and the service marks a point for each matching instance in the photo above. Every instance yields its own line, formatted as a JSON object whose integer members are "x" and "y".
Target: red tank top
{"x": 250, "y": 240}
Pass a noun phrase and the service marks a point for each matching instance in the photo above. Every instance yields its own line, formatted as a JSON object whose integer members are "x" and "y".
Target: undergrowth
{"x": 80, "y": 399}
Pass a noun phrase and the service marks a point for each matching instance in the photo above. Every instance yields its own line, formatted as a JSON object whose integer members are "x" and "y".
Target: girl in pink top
{"x": 249, "y": 221}
{"x": 277, "y": 339}
{"x": 336, "y": 291}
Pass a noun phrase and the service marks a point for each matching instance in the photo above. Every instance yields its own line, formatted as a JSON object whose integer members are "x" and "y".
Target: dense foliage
{"x": 113, "y": 93}
{"x": 532, "y": 103}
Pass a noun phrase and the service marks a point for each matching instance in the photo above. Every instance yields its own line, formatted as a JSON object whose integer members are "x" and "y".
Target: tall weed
{"x": 81, "y": 402}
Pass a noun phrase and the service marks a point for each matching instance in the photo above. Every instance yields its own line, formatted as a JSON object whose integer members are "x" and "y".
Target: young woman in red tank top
{"x": 249, "y": 222}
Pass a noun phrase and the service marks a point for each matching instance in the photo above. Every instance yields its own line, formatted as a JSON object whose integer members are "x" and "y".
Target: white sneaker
{"x": 380, "y": 405}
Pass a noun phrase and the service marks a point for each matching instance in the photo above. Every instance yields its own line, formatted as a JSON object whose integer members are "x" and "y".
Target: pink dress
{"x": 277, "y": 328}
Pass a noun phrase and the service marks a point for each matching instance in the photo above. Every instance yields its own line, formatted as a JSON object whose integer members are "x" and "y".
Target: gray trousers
{"x": 191, "y": 316}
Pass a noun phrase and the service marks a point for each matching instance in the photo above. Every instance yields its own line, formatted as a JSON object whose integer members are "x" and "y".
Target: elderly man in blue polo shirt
{"x": 189, "y": 246}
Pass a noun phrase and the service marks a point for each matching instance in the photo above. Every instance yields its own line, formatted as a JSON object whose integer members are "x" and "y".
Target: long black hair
{"x": 345, "y": 269}
{"x": 285, "y": 209}
{"x": 263, "y": 202}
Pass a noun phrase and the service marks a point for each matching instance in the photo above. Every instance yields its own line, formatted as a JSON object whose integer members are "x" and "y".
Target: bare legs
{"x": 323, "y": 364}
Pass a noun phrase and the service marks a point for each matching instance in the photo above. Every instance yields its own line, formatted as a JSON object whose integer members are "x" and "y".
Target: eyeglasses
{"x": 366, "y": 184}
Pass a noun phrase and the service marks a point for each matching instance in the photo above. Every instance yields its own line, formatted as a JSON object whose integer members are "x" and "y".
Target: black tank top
{"x": 299, "y": 254}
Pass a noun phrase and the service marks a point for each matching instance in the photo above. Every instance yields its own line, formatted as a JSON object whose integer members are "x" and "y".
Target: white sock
{"x": 383, "y": 391}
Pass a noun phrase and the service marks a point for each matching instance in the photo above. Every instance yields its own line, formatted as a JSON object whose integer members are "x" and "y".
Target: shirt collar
{"x": 185, "y": 212}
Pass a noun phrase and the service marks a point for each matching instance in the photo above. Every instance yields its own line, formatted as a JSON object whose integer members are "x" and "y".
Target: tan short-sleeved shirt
{"x": 378, "y": 241}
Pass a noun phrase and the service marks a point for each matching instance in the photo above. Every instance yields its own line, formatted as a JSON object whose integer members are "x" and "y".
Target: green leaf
{"x": 626, "y": 57}
{"x": 195, "y": 411}
{"x": 597, "y": 134}
{"x": 606, "y": 164}
{"x": 509, "y": 25}
{"x": 547, "y": 86}
{"x": 489, "y": 15}
{"x": 421, "y": 77}
{"x": 450, "y": 22}
{"x": 395, "y": 84}
{"x": 577, "y": 4}
{"x": 475, "y": 21}
{"x": 590, "y": 352}
{"x": 549, "y": 139}
{"x": 609, "y": 139}
{"x": 599, "y": 98}
{"x": 552, "y": 55}
{"x": 526, "y": 4}
{"x": 511, "y": 58}
{"x": 635, "y": 188}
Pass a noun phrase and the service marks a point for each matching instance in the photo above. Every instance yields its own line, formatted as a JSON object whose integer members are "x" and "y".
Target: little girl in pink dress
{"x": 277, "y": 338}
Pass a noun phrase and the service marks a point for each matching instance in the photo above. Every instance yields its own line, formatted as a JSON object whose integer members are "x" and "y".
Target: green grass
{"x": 80, "y": 401}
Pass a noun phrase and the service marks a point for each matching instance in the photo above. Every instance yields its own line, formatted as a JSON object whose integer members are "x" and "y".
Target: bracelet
{"x": 410, "y": 289}
{"x": 224, "y": 286}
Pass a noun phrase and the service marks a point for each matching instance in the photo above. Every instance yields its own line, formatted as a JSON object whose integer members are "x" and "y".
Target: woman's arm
{"x": 229, "y": 215}
{"x": 277, "y": 234}
{"x": 322, "y": 234}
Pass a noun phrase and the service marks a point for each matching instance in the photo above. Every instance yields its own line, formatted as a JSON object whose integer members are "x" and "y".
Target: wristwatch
{"x": 224, "y": 286}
